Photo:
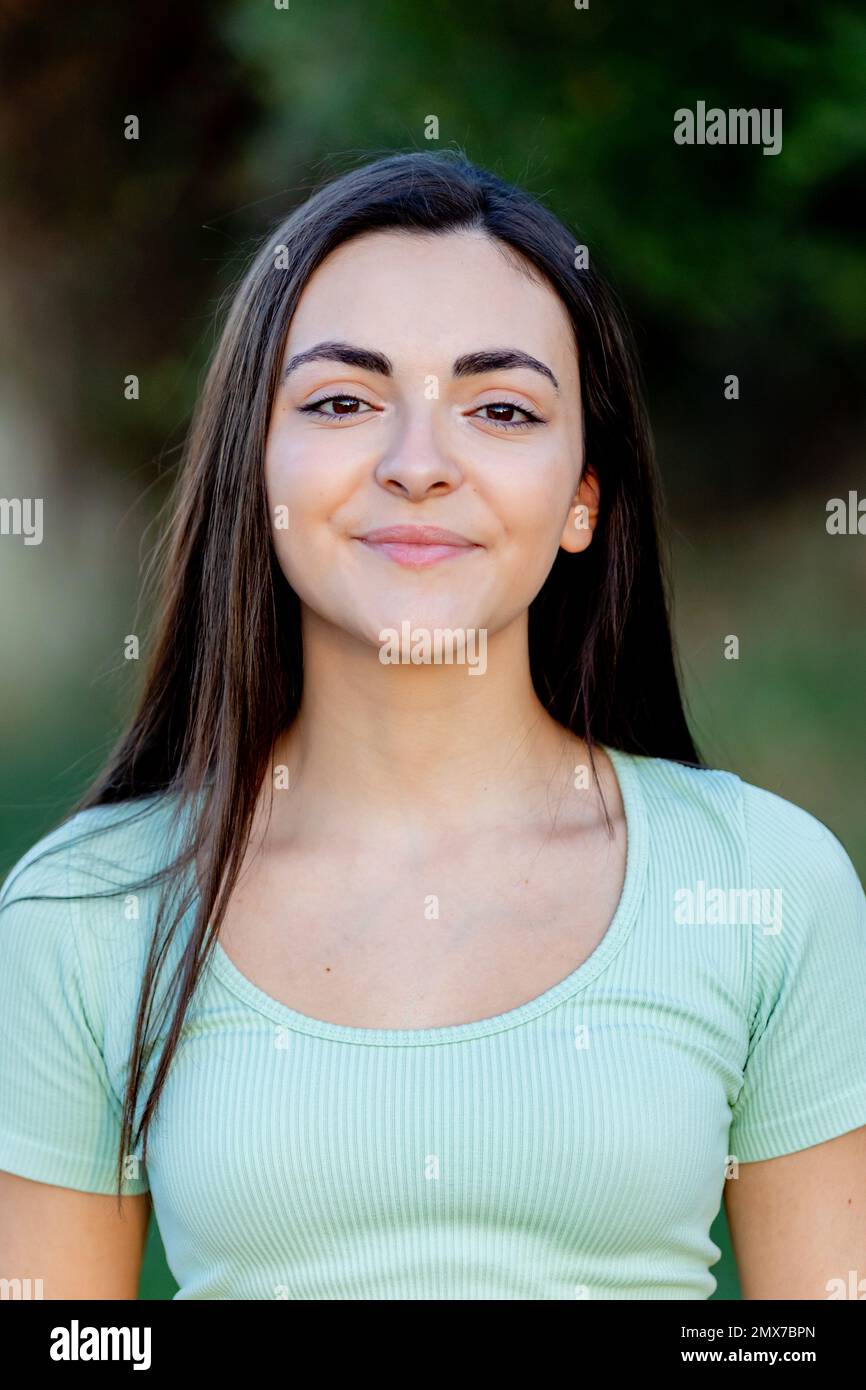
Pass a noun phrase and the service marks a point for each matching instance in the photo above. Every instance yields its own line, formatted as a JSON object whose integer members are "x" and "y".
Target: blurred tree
{"x": 107, "y": 265}
{"x": 729, "y": 260}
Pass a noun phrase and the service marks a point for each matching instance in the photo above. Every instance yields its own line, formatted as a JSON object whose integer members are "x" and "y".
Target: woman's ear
{"x": 582, "y": 514}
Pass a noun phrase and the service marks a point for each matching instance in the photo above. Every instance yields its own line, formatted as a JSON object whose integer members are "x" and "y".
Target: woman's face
{"x": 428, "y": 382}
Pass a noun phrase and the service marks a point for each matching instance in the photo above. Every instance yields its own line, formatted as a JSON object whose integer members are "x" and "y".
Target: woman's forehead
{"x": 455, "y": 291}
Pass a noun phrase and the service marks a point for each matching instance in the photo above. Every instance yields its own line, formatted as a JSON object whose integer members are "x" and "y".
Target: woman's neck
{"x": 429, "y": 748}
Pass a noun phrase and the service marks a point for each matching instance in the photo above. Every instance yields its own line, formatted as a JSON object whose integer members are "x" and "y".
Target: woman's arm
{"x": 75, "y": 1242}
{"x": 798, "y": 1221}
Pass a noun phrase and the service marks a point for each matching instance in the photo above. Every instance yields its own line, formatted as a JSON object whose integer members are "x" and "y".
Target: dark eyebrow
{"x": 471, "y": 364}
{"x": 500, "y": 359}
{"x": 364, "y": 358}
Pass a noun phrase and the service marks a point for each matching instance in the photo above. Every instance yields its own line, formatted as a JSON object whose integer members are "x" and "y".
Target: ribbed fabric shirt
{"x": 576, "y": 1146}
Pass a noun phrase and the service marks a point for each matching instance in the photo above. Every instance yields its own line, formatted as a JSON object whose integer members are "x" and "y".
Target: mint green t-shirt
{"x": 574, "y": 1147}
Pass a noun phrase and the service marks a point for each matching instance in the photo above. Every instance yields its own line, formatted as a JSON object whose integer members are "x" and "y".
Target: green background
{"x": 115, "y": 255}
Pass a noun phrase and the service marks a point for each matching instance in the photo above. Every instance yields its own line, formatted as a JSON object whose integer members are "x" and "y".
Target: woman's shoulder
{"x": 77, "y": 912}
{"x": 90, "y": 851}
{"x": 741, "y": 858}
{"x": 778, "y": 836}
{"x": 73, "y": 934}
{"x": 89, "y": 887}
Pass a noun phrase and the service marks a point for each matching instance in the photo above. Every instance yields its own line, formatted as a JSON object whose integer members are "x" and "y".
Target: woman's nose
{"x": 419, "y": 462}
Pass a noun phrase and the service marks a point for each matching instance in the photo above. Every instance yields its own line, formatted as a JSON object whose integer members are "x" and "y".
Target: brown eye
{"x": 509, "y": 416}
{"x": 342, "y": 406}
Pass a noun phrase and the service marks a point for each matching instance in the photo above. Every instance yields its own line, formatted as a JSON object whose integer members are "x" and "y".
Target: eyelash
{"x": 315, "y": 408}
{"x": 532, "y": 418}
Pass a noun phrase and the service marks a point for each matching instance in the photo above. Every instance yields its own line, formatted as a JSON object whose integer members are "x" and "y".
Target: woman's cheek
{"x": 534, "y": 534}
{"x": 285, "y": 508}
{"x": 533, "y": 514}
{"x": 290, "y": 484}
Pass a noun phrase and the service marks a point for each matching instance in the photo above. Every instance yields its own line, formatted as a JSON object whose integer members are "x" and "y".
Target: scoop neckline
{"x": 619, "y": 928}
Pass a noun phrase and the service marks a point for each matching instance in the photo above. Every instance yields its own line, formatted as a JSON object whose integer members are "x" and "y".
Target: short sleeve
{"x": 804, "y": 1079}
{"x": 59, "y": 1117}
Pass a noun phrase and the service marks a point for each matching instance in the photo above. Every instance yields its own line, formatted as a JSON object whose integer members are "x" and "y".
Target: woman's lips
{"x": 418, "y": 546}
{"x": 417, "y": 556}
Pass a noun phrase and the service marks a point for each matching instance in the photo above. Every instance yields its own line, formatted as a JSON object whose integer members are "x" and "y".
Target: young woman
{"x": 406, "y": 949}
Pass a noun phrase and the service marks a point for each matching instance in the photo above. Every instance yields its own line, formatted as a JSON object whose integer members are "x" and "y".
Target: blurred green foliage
{"x": 116, "y": 253}
{"x": 728, "y": 260}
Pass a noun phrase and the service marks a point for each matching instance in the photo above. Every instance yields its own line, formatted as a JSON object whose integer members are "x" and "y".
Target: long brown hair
{"x": 225, "y": 670}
